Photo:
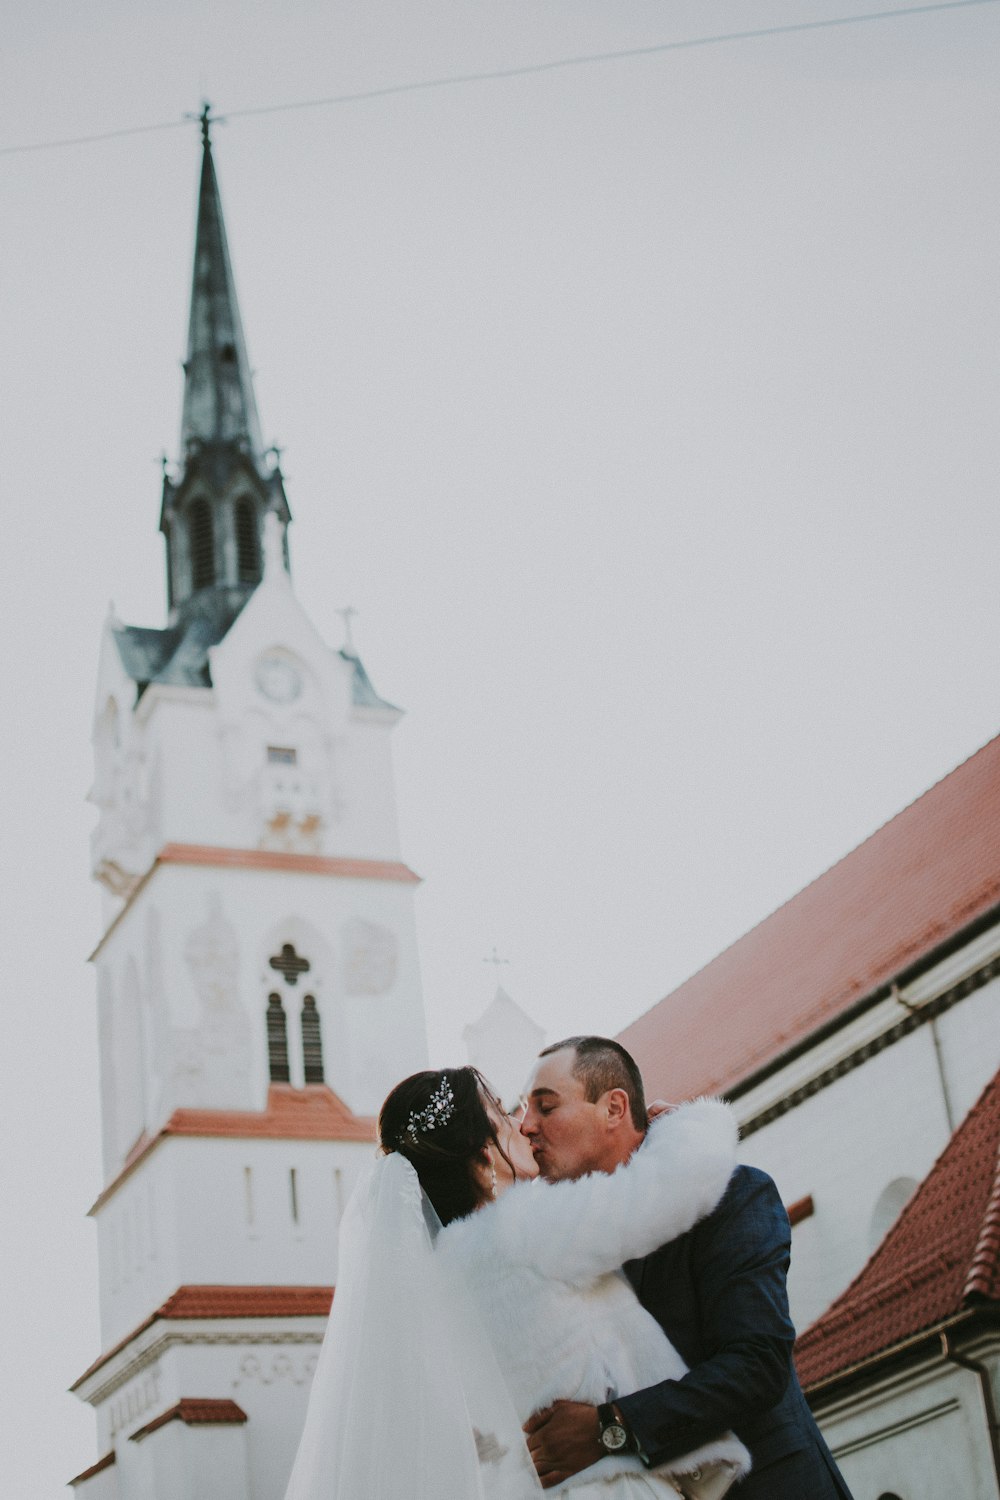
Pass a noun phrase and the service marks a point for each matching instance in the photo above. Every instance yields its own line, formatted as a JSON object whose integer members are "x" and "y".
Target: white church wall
{"x": 216, "y": 1211}
{"x": 970, "y": 1046}
{"x": 367, "y": 826}
{"x": 300, "y": 780}
{"x": 917, "y": 1436}
{"x": 137, "y": 1248}
{"x": 243, "y": 1218}
{"x": 265, "y": 1365}
{"x": 101, "y": 1486}
{"x": 882, "y": 1121}
{"x": 177, "y": 1462}
{"x": 193, "y": 954}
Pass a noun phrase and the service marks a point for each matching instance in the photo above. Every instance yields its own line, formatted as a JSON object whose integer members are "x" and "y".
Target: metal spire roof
{"x": 219, "y": 405}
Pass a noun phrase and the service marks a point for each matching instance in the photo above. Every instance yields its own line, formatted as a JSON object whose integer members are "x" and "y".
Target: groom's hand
{"x": 562, "y": 1440}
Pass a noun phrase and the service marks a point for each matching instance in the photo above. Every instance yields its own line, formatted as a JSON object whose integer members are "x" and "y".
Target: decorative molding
{"x": 219, "y": 857}
{"x": 896, "y": 1429}
{"x": 789, "y": 1099}
{"x": 170, "y": 1338}
{"x": 280, "y": 1367}
{"x": 142, "y": 1396}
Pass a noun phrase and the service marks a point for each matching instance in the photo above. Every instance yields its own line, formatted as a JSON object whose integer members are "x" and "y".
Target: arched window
{"x": 886, "y": 1495}
{"x": 277, "y": 1040}
{"x": 312, "y": 1042}
{"x": 247, "y": 549}
{"x": 202, "y": 544}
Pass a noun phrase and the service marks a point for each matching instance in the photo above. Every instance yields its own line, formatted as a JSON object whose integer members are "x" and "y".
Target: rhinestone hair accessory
{"x": 437, "y": 1112}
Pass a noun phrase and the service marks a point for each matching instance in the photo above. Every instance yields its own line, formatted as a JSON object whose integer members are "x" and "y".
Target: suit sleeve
{"x": 577, "y": 1231}
{"x": 741, "y": 1256}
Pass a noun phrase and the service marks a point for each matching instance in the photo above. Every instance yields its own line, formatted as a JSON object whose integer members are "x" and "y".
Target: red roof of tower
{"x": 211, "y": 1302}
{"x": 889, "y": 904}
{"x": 941, "y": 1257}
{"x": 312, "y": 1113}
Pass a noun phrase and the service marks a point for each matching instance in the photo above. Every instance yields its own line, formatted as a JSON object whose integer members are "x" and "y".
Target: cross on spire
{"x": 290, "y": 964}
{"x": 496, "y": 961}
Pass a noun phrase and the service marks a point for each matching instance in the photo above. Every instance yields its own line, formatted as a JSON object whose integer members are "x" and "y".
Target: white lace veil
{"x": 407, "y": 1402}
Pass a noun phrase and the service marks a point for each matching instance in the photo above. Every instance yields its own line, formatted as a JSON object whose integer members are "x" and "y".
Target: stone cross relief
{"x": 289, "y": 964}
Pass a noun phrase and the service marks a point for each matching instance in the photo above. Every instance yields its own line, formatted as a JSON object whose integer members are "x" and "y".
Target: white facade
{"x": 265, "y": 1367}
{"x": 922, "y": 1433}
{"x": 258, "y": 980}
{"x": 860, "y": 1145}
{"x": 504, "y": 1044}
{"x": 223, "y": 857}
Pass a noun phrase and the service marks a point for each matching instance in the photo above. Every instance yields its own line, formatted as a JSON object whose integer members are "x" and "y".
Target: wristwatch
{"x": 614, "y": 1436}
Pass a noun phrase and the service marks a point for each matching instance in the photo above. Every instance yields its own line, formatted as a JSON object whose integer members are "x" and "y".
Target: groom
{"x": 718, "y": 1292}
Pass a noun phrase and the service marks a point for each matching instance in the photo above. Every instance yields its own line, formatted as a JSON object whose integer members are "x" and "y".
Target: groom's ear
{"x": 618, "y": 1108}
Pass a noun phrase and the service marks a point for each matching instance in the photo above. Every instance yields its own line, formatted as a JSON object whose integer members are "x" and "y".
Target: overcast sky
{"x": 645, "y": 410}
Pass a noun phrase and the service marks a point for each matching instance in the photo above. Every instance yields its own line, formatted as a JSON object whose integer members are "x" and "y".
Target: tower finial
{"x": 206, "y": 119}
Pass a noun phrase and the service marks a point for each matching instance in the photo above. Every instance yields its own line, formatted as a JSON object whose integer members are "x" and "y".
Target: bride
{"x": 470, "y": 1296}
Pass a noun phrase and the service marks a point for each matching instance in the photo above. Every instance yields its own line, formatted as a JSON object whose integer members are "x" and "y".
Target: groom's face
{"x": 568, "y": 1134}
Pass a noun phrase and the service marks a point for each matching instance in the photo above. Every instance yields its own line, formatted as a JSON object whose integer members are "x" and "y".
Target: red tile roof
{"x": 196, "y": 1411}
{"x": 101, "y": 1464}
{"x": 914, "y": 885}
{"x": 273, "y": 859}
{"x": 210, "y": 1302}
{"x": 940, "y": 1259}
{"x": 312, "y": 1113}
{"x": 248, "y": 1302}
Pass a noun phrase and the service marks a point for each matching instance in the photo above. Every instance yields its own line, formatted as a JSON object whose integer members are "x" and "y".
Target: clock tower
{"x": 257, "y": 977}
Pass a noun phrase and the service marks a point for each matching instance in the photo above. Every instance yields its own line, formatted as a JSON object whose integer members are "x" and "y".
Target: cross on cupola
{"x": 289, "y": 964}
{"x": 496, "y": 961}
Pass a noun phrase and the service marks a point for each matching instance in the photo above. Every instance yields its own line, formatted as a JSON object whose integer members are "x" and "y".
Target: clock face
{"x": 277, "y": 678}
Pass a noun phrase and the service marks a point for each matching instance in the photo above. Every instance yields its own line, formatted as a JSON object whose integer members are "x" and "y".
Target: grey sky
{"x": 647, "y": 412}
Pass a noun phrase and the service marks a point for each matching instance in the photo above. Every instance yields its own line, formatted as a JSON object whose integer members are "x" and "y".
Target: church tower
{"x": 257, "y": 978}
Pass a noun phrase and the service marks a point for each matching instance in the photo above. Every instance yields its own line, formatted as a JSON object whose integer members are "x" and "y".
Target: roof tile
{"x": 941, "y": 1257}
{"x": 911, "y": 887}
{"x": 195, "y": 1411}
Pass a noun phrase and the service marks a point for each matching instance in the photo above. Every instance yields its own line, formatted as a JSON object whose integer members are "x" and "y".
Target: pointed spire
{"x": 219, "y": 405}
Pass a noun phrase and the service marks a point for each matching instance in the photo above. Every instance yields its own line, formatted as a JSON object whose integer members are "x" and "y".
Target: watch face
{"x": 277, "y": 678}
{"x": 614, "y": 1437}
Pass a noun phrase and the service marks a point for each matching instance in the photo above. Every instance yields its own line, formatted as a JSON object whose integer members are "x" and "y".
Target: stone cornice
{"x": 902, "y": 1011}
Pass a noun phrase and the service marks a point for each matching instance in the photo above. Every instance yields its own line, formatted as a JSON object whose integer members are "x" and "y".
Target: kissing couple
{"x": 586, "y": 1297}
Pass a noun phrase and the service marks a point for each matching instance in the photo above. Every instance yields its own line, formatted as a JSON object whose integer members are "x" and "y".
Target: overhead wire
{"x": 522, "y": 70}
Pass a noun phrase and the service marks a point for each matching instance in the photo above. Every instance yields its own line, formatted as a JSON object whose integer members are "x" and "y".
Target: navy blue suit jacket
{"x": 719, "y": 1294}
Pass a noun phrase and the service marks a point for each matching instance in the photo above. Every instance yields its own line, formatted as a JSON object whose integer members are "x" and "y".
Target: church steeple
{"x": 219, "y": 403}
{"x": 213, "y": 511}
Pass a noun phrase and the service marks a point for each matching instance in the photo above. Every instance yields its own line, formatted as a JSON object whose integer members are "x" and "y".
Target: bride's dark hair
{"x": 439, "y": 1121}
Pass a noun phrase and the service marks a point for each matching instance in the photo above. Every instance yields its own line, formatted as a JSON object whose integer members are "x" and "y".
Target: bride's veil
{"x": 407, "y": 1402}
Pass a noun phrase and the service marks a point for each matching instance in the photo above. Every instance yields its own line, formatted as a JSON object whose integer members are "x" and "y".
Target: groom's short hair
{"x": 601, "y": 1064}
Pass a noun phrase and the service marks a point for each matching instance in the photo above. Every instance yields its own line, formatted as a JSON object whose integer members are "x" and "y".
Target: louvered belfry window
{"x": 277, "y": 1040}
{"x": 202, "y": 538}
{"x": 312, "y": 1042}
{"x": 247, "y": 553}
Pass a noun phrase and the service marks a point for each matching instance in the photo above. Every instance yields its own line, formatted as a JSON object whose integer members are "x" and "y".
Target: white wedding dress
{"x": 442, "y": 1342}
{"x": 542, "y": 1264}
